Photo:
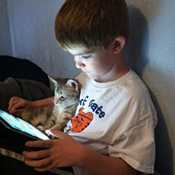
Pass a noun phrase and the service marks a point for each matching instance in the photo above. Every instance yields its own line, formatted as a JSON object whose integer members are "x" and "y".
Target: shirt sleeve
{"x": 136, "y": 144}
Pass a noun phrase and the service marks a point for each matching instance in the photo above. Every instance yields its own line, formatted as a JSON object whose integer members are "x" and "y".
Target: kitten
{"x": 66, "y": 98}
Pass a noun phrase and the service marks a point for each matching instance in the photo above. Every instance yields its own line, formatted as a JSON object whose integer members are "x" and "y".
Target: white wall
{"x": 32, "y": 29}
{"x": 5, "y": 43}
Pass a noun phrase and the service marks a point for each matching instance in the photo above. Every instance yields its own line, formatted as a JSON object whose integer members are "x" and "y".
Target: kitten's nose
{"x": 59, "y": 99}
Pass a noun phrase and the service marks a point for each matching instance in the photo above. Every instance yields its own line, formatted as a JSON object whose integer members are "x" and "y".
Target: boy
{"x": 113, "y": 129}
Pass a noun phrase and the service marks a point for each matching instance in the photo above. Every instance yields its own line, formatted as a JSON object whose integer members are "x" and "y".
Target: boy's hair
{"x": 91, "y": 23}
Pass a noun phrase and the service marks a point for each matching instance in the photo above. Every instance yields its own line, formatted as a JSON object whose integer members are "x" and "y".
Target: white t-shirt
{"x": 116, "y": 118}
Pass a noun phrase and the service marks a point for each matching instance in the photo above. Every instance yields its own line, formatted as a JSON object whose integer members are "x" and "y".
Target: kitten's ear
{"x": 53, "y": 84}
{"x": 73, "y": 83}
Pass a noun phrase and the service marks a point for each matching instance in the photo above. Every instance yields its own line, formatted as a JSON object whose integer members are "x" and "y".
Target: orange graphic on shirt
{"x": 81, "y": 121}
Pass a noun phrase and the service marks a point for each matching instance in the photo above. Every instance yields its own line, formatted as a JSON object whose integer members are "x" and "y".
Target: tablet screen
{"x": 21, "y": 125}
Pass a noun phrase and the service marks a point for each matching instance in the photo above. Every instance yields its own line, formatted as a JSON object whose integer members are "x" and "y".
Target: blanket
{"x": 21, "y": 68}
{"x": 27, "y": 89}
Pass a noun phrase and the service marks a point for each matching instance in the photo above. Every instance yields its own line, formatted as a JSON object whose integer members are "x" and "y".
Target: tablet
{"x": 14, "y": 132}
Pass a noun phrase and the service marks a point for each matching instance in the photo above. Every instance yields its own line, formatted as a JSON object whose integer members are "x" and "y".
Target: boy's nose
{"x": 78, "y": 63}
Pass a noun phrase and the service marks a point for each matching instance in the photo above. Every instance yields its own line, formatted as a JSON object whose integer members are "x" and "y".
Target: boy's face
{"x": 97, "y": 64}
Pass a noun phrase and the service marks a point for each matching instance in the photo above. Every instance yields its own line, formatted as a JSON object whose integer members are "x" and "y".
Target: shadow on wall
{"x": 138, "y": 40}
{"x": 136, "y": 54}
{"x": 164, "y": 151}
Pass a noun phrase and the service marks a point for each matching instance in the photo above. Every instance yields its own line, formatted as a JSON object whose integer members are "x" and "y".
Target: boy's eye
{"x": 86, "y": 56}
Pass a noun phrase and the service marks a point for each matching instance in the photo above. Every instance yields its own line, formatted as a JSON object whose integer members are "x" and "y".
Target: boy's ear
{"x": 118, "y": 44}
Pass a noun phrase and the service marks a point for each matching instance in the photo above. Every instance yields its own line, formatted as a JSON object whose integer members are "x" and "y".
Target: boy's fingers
{"x": 39, "y": 144}
{"x": 13, "y": 104}
{"x": 50, "y": 167}
{"x": 12, "y": 109}
{"x": 17, "y": 105}
{"x": 36, "y": 154}
{"x": 38, "y": 163}
{"x": 13, "y": 99}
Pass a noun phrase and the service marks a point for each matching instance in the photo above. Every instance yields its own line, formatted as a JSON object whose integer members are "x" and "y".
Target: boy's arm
{"x": 96, "y": 164}
{"x": 18, "y": 103}
{"x": 43, "y": 102}
{"x": 79, "y": 155}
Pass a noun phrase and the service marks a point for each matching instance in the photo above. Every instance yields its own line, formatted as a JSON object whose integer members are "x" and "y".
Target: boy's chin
{"x": 95, "y": 78}
{"x": 91, "y": 76}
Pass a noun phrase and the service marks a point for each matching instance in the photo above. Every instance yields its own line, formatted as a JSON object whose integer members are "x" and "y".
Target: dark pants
{"x": 9, "y": 166}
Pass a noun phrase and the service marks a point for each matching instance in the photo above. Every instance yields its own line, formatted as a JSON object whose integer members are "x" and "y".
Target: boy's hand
{"x": 61, "y": 152}
{"x": 17, "y": 103}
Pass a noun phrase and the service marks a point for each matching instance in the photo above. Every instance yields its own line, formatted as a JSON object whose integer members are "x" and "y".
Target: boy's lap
{"x": 11, "y": 166}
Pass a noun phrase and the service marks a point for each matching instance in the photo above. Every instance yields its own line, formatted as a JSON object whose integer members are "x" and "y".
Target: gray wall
{"x": 5, "y": 43}
{"x": 151, "y": 51}
{"x": 32, "y": 26}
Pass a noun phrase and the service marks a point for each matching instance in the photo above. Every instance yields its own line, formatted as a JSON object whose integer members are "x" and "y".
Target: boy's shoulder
{"x": 133, "y": 86}
{"x": 129, "y": 82}
{"x": 129, "y": 85}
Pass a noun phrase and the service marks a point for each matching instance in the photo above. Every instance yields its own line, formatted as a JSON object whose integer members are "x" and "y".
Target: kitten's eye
{"x": 61, "y": 98}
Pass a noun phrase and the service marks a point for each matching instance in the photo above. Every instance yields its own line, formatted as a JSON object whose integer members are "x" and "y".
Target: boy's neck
{"x": 111, "y": 76}
{"x": 118, "y": 70}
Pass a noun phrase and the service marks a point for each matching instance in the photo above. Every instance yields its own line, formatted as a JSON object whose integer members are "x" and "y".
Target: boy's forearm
{"x": 96, "y": 164}
{"x": 43, "y": 102}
